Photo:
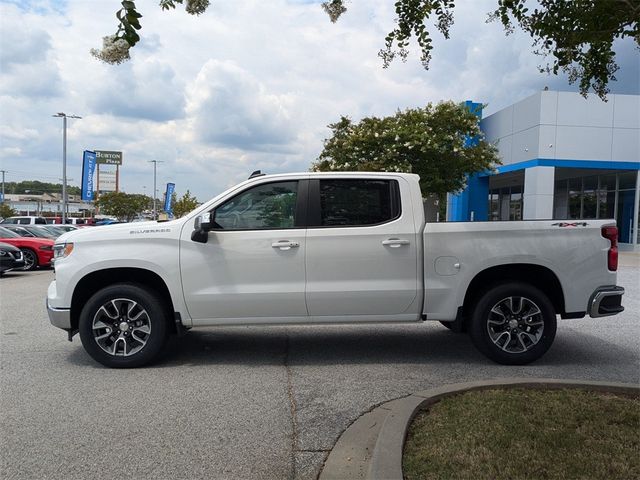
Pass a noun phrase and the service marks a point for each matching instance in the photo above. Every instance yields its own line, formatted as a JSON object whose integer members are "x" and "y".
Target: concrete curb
{"x": 371, "y": 448}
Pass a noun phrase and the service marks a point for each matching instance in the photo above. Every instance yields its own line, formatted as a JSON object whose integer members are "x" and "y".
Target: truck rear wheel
{"x": 123, "y": 326}
{"x": 513, "y": 323}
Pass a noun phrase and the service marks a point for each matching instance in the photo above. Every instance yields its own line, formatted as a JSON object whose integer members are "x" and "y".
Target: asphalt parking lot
{"x": 240, "y": 403}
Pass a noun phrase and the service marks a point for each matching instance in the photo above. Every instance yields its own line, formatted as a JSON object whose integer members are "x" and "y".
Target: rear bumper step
{"x": 606, "y": 301}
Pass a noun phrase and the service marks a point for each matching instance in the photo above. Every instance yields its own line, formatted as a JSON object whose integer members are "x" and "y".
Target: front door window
{"x": 265, "y": 207}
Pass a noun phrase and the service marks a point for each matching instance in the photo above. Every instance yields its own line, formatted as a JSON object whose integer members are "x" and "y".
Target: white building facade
{"x": 563, "y": 157}
{"x": 47, "y": 204}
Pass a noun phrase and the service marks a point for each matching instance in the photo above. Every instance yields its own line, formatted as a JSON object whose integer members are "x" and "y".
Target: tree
{"x": 6, "y": 211}
{"x": 577, "y": 34}
{"x": 184, "y": 205}
{"x": 124, "y": 206}
{"x": 115, "y": 48}
{"x": 432, "y": 142}
{"x": 31, "y": 186}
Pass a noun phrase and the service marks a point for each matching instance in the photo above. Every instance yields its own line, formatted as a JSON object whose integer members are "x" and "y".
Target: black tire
{"x": 125, "y": 326}
{"x": 513, "y": 335}
{"x": 30, "y": 259}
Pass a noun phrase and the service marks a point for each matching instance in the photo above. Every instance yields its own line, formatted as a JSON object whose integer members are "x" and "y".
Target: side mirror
{"x": 203, "y": 222}
{"x": 202, "y": 226}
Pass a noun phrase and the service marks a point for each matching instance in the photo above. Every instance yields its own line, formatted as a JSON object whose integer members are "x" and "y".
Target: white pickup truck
{"x": 322, "y": 248}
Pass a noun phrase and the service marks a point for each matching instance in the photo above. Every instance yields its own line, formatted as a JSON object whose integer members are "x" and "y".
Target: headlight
{"x": 62, "y": 250}
{"x": 45, "y": 247}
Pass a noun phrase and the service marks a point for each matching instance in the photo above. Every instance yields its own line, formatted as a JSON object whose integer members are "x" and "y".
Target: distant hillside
{"x": 37, "y": 188}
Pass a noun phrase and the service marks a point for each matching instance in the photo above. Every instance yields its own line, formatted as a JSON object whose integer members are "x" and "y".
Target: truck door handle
{"x": 285, "y": 244}
{"x": 395, "y": 242}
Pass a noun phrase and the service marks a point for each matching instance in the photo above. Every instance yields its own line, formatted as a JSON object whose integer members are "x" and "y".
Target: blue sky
{"x": 248, "y": 85}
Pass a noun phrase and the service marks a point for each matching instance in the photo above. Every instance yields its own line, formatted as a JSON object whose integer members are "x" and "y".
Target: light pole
{"x": 64, "y": 162}
{"x": 155, "y": 209}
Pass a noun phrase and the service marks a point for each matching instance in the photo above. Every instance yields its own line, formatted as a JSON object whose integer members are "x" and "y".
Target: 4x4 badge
{"x": 573, "y": 224}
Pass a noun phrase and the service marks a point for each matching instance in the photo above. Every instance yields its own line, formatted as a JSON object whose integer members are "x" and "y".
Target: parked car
{"x": 11, "y": 258}
{"x": 37, "y": 252}
{"x": 70, "y": 221}
{"x": 26, "y": 220}
{"x": 66, "y": 228}
{"x": 106, "y": 221}
{"x": 322, "y": 248}
{"x": 38, "y": 231}
{"x": 59, "y": 229}
{"x": 17, "y": 229}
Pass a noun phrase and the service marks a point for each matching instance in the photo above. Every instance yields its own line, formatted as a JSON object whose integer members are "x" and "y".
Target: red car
{"x": 37, "y": 252}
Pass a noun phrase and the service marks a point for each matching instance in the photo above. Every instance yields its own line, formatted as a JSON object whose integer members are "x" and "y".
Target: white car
{"x": 324, "y": 248}
{"x": 26, "y": 220}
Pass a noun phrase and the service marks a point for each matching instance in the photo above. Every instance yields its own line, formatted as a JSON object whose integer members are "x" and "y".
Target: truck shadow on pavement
{"x": 329, "y": 345}
{"x": 321, "y": 346}
{"x": 336, "y": 345}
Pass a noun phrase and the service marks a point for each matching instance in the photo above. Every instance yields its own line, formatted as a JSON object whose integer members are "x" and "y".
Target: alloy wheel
{"x": 121, "y": 327}
{"x": 515, "y": 324}
{"x": 30, "y": 260}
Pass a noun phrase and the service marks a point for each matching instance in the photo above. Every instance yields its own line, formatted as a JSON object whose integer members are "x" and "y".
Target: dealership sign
{"x": 88, "y": 167}
{"x": 171, "y": 187}
{"x": 108, "y": 157}
{"x": 107, "y": 181}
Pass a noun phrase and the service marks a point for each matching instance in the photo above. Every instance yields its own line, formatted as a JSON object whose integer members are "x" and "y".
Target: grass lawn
{"x": 526, "y": 434}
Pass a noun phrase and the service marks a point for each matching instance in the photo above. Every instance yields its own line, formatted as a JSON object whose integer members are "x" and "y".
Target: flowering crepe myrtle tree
{"x": 115, "y": 48}
{"x": 429, "y": 141}
{"x": 577, "y": 35}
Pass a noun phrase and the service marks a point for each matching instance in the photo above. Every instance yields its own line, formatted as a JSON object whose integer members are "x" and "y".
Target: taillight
{"x": 611, "y": 234}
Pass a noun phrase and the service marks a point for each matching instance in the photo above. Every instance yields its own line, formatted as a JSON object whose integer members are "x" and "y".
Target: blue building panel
{"x": 560, "y": 163}
{"x": 474, "y": 197}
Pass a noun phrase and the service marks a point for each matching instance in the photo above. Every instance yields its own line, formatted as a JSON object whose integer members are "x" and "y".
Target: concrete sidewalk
{"x": 629, "y": 259}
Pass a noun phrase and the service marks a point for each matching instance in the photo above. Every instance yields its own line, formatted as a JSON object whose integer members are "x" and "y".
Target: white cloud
{"x": 23, "y": 46}
{"x": 228, "y": 107}
{"x": 26, "y": 66}
{"x": 147, "y": 89}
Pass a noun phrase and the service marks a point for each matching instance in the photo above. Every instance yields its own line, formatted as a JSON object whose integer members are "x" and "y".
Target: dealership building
{"x": 563, "y": 157}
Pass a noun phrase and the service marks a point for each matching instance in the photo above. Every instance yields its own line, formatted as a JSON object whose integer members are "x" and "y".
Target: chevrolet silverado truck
{"x": 325, "y": 248}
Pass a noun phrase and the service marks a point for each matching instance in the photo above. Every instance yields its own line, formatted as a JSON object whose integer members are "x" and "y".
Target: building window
{"x": 610, "y": 195}
{"x": 505, "y": 203}
{"x": 494, "y": 206}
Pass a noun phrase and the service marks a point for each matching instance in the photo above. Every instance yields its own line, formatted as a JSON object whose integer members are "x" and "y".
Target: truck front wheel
{"x": 513, "y": 323}
{"x": 124, "y": 325}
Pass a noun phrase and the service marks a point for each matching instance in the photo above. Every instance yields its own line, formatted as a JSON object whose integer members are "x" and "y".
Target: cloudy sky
{"x": 251, "y": 84}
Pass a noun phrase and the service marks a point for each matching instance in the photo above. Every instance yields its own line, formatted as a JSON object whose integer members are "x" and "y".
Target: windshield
{"x": 40, "y": 232}
{"x": 55, "y": 230}
{"x": 5, "y": 233}
{"x": 18, "y": 230}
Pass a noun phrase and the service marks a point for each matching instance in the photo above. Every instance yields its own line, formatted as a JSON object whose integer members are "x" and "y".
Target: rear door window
{"x": 358, "y": 203}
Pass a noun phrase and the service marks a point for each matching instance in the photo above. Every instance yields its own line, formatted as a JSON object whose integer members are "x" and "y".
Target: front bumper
{"x": 606, "y": 301}
{"x": 11, "y": 261}
{"x": 59, "y": 317}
